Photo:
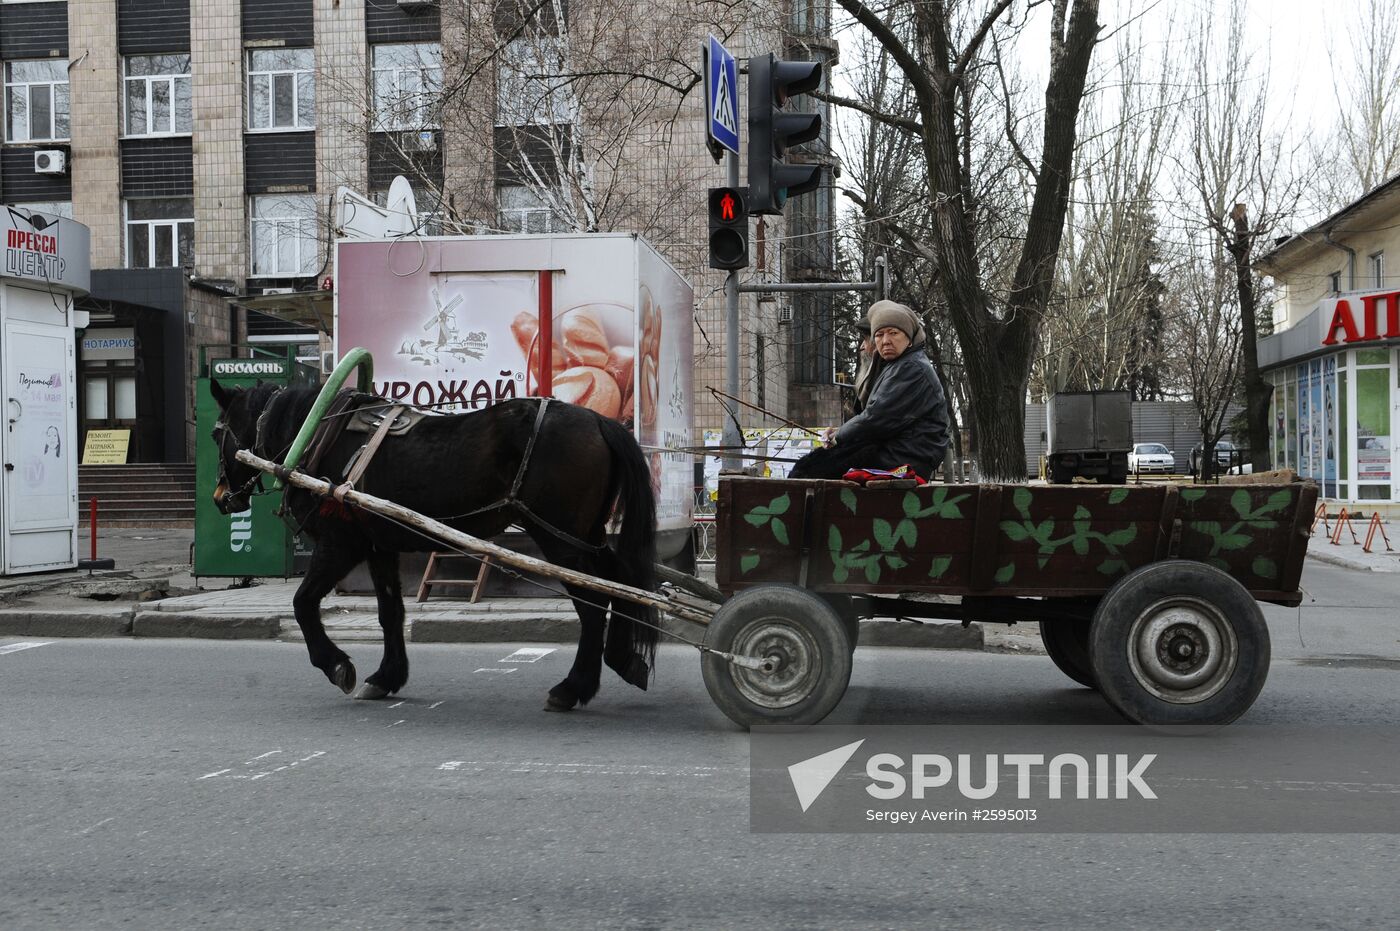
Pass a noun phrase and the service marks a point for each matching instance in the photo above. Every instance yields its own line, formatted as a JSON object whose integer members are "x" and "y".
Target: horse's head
{"x": 237, "y": 429}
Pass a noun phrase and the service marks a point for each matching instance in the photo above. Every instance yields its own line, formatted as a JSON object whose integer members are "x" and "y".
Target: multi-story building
{"x": 203, "y": 143}
{"x": 1334, "y": 358}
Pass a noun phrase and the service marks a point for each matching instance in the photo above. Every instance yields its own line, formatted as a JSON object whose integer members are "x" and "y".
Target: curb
{"x": 204, "y": 627}
{"x": 1332, "y": 559}
{"x": 77, "y": 623}
{"x": 147, "y": 621}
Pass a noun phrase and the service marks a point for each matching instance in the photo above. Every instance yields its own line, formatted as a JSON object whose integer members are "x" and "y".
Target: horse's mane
{"x": 286, "y": 412}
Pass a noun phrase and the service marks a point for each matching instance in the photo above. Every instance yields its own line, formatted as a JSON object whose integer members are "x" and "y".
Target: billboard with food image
{"x": 454, "y": 323}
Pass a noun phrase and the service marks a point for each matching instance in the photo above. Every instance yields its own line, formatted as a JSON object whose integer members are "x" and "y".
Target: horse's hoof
{"x": 368, "y": 691}
{"x": 343, "y": 675}
{"x": 638, "y": 673}
{"x": 561, "y": 698}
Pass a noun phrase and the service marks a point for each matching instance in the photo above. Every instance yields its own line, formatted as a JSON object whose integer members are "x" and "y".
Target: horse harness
{"x": 348, "y": 412}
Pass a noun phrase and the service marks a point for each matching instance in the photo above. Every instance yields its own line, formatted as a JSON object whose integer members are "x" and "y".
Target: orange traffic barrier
{"x": 1321, "y": 516}
{"x": 1343, "y": 520}
{"x": 1371, "y": 533}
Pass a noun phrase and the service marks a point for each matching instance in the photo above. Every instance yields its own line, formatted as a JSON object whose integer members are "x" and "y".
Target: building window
{"x": 160, "y": 232}
{"x": 529, "y": 89}
{"x": 407, "y": 82}
{"x": 281, "y": 88}
{"x": 1334, "y": 283}
{"x": 283, "y": 236}
{"x": 57, "y": 208}
{"x": 810, "y": 17}
{"x": 525, "y": 211}
{"x": 36, "y": 100}
{"x": 158, "y": 95}
{"x": 813, "y": 343}
{"x": 809, "y": 234}
{"x": 1378, "y": 270}
{"x": 760, "y": 368}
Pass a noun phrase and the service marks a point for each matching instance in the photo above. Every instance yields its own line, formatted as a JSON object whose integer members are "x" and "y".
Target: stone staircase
{"x": 138, "y": 495}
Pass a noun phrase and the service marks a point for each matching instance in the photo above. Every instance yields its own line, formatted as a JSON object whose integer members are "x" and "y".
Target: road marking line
{"x": 96, "y": 826}
{"x": 585, "y": 769}
{"x": 260, "y": 757}
{"x": 254, "y": 777}
{"x": 528, "y": 655}
{"x": 497, "y": 671}
{"x": 397, "y": 704}
{"x": 396, "y": 723}
{"x": 27, "y": 645}
{"x": 434, "y": 705}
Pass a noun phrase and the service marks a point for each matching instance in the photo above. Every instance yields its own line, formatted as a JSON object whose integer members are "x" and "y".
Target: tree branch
{"x": 889, "y": 119}
{"x": 975, "y": 42}
{"x": 908, "y": 62}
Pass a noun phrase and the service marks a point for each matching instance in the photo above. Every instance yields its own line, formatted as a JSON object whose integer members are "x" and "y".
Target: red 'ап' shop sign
{"x": 1343, "y": 327}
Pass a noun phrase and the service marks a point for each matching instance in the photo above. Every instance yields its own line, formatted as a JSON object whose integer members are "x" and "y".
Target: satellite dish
{"x": 401, "y": 203}
{"x": 358, "y": 217}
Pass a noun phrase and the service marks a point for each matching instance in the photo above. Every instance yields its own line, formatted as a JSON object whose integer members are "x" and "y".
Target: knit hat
{"x": 890, "y": 313}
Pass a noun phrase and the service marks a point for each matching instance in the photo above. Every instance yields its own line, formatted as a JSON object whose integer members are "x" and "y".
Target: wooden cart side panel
{"x": 1044, "y": 540}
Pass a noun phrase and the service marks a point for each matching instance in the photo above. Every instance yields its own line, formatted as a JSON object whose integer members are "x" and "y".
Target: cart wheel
{"x": 801, "y": 634}
{"x": 844, "y": 606}
{"x": 1179, "y": 642}
{"x": 1067, "y": 642}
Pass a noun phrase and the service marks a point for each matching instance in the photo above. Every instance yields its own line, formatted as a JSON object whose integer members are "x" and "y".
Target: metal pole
{"x": 732, "y": 438}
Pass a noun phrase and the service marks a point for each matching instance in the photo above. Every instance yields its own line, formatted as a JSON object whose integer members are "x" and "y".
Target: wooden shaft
{"x": 477, "y": 545}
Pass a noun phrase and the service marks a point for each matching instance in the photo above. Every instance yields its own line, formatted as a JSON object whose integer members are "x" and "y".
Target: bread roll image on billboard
{"x": 585, "y": 343}
{"x": 589, "y": 387}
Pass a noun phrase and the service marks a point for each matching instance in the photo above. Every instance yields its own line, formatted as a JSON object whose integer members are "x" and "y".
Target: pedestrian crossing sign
{"x": 721, "y": 98}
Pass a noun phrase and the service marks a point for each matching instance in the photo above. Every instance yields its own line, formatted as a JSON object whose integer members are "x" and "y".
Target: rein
{"x": 512, "y": 498}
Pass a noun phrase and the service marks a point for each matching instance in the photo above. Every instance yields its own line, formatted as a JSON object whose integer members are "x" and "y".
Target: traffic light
{"x": 773, "y": 130}
{"x": 729, "y": 229}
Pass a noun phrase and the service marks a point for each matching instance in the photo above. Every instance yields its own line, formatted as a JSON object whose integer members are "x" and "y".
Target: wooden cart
{"x": 1147, "y": 593}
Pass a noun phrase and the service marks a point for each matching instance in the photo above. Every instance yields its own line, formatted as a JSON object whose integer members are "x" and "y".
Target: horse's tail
{"x": 635, "y": 546}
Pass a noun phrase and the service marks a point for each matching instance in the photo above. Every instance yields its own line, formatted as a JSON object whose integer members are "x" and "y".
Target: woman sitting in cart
{"x": 905, "y": 419}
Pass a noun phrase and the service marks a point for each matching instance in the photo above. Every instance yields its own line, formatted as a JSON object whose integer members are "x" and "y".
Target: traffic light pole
{"x": 732, "y": 437}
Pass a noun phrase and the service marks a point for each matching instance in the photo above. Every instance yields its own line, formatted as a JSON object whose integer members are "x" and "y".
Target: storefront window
{"x": 1372, "y": 430}
{"x": 1344, "y": 444}
{"x": 1329, "y": 426}
{"x": 1278, "y": 437}
{"x": 1291, "y": 446}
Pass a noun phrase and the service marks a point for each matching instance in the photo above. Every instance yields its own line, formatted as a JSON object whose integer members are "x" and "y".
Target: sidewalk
{"x": 151, "y": 593}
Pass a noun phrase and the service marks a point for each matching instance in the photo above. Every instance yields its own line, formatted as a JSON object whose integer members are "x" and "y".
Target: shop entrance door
{"x": 109, "y": 403}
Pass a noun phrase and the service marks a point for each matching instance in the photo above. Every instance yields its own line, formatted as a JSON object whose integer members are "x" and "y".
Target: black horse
{"x": 460, "y": 469}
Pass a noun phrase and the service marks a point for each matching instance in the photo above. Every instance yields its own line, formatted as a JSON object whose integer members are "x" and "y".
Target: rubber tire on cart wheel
{"x": 1179, "y": 642}
{"x": 844, "y": 606}
{"x": 1067, "y": 642}
{"x": 797, "y": 628}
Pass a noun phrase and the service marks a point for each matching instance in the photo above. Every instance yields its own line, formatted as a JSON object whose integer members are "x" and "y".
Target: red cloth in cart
{"x": 868, "y": 475}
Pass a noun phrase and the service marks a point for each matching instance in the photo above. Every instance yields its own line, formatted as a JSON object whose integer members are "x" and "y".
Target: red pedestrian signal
{"x": 726, "y": 207}
{"x": 729, "y": 229}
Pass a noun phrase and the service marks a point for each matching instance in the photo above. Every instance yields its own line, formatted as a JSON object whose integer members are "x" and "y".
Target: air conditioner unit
{"x": 50, "y": 162}
{"x": 277, "y": 290}
{"x": 784, "y": 314}
{"x": 419, "y": 141}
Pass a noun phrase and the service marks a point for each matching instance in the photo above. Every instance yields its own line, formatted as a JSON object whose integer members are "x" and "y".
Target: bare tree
{"x": 1243, "y": 185}
{"x": 1368, "y": 101}
{"x": 936, "y": 46}
{"x": 1107, "y": 327}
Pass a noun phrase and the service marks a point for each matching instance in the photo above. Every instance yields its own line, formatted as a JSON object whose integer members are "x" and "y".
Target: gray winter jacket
{"x": 906, "y": 419}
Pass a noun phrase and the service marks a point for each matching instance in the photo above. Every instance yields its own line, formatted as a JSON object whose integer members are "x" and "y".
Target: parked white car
{"x": 1151, "y": 457}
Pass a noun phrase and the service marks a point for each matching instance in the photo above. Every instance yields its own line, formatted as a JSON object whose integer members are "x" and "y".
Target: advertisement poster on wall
{"x": 453, "y": 324}
{"x": 1373, "y": 427}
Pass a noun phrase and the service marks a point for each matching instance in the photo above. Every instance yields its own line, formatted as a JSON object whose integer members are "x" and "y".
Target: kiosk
{"x": 46, "y": 266}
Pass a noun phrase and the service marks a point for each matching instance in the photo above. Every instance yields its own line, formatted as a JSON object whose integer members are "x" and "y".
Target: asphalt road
{"x": 185, "y": 784}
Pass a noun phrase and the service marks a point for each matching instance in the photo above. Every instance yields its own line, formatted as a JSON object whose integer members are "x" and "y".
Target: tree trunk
{"x": 999, "y": 416}
{"x": 1257, "y": 392}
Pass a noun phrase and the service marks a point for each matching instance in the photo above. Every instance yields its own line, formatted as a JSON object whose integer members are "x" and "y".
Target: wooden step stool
{"x": 430, "y": 580}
